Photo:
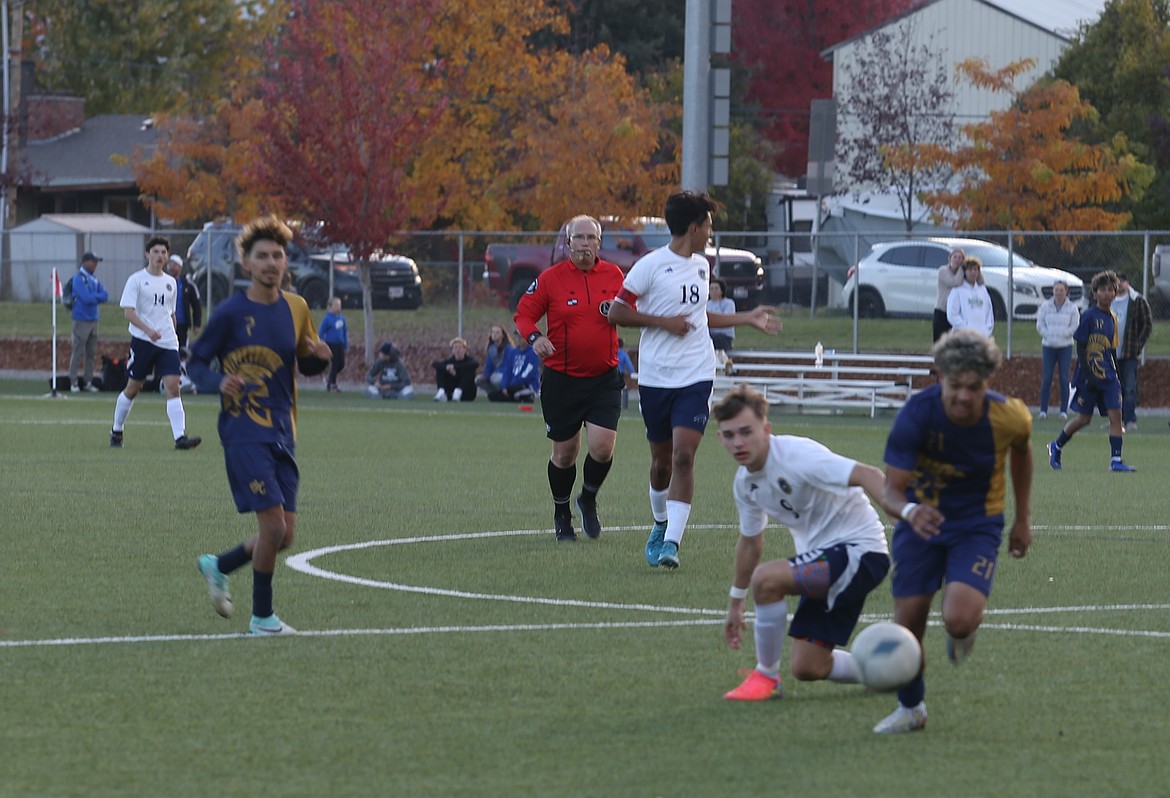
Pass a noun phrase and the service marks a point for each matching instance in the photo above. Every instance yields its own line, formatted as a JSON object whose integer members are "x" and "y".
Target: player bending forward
{"x": 841, "y": 552}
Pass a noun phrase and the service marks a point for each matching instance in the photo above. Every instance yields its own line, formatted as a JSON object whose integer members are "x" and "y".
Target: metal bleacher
{"x": 841, "y": 381}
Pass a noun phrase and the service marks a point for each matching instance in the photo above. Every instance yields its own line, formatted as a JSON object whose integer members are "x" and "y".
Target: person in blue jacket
{"x": 334, "y": 332}
{"x": 521, "y": 381}
{"x": 88, "y": 293}
{"x": 494, "y": 354}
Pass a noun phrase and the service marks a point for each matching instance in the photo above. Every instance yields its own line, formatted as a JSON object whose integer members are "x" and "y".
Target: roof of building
{"x": 81, "y": 223}
{"x": 87, "y": 157}
{"x": 1061, "y": 18}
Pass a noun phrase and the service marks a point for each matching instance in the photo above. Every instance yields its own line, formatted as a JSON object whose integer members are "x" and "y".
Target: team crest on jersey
{"x": 571, "y": 303}
{"x": 170, "y": 286}
{"x": 702, "y": 274}
{"x": 531, "y": 288}
{"x": 604, "y": 308}
{"x": 782, "y": 483}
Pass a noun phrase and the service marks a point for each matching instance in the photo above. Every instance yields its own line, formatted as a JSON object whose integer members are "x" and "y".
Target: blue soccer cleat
{"x": 654, "y": 543}
{"x": 271, "y": 626}
{"x": 217, "y": 584}
{"x": 1120, "y": 467}
{"x": 1054, "y": 456}
{"x": 668, "y": 555}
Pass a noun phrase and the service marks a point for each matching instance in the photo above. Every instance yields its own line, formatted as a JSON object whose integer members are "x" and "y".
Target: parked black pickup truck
{"x": 510, "y": 268}
{"x": 395, "y": 281}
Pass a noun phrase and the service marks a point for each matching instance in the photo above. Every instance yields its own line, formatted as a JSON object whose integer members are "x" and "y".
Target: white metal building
{"x": 998, "y": 31}
{"x": 61, "y": 239}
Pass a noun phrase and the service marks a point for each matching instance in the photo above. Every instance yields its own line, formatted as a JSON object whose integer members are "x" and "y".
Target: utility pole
{"x": 706, "y": 95}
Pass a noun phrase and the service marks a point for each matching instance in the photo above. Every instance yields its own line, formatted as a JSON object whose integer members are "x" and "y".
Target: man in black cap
{"x": 388, "y": 377}
{"x": 88, "y": 293}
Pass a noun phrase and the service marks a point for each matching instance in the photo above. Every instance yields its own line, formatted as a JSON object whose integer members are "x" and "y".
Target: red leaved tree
{"x": 779, "y": 43}
{"x": 349, "y": 107}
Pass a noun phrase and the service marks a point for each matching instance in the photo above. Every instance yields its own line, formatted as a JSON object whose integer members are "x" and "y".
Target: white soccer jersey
{"x": 666, "y": 284}
{"x": 153, "y": 299}
{"x": 805, "y": 487}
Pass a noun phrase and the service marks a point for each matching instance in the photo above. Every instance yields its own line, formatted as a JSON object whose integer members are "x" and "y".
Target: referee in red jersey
{"x": 580, "y": 384}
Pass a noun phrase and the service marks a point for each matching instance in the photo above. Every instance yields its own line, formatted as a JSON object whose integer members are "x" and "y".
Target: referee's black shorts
{"x": 569, "y": 402}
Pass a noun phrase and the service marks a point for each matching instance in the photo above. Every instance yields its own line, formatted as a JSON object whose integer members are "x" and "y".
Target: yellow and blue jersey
{"x": 958, "y": 469}
{"x": 259, "y": 343}
{"x": 1097, "y": 333}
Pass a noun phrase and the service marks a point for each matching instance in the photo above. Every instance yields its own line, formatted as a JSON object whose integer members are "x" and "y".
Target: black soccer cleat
{"x": 183, "y": 442}
{"x": 564, "y": 528}
{"x": 587, "y": 507}
{"x": 115, "y": 440}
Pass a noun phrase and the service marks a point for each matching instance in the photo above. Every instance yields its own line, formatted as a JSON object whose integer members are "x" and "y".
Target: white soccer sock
{"x": 844, "y": 670}
{"x": 121, "y": 410}
{"x": 658, "y": 504}
{"x": 771, "y": 624}
{"x": 677, "y": 514}
{"x": 178, "y": 417}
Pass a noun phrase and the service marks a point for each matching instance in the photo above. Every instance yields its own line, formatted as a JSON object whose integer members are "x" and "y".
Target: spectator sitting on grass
{"x": 521, "y": 381}
{"x": 389, "y": 377}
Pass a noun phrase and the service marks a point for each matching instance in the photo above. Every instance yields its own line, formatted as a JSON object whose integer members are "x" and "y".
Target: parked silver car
{"x": 899, "y": 278}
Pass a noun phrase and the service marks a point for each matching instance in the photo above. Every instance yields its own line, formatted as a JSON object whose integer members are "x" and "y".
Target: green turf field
{"x": 452, "y": 648}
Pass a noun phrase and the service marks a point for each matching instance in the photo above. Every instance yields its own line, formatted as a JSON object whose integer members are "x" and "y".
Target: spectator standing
{"x": 969, "y": 305}
{"x": 188, "y": 309}
{"x": 626, "y": 369}
{"x": 88, "y": 293}
{"x": 521, "y": 381}
{"x": 723, "y": 338}
{"x": 665, "y": 293}
{"x": 1134, "y": 324}
{"x": 455, "y": 375}
{"x": 148, "y": 303}
{"x": 580, "y": 384}
{"x": 950, "y": 275}
{"x": 499, "y": 343}
{"x": 388, "y": 377}
{"x": 1056, "y": 321}
{"x": 334, "y": 332}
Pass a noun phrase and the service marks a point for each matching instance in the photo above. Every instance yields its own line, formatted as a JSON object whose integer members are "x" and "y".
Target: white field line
{"x": 302, "y": 563}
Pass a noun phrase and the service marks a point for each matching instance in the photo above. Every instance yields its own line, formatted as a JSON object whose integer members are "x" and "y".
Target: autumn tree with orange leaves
{"x": 526, "y": 136}
{"x": 1023, "y": 171}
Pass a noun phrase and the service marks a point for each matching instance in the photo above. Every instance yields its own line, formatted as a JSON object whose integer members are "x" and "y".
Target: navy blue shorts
{"x": 967, "y": 555}
{"x": 145, "y": 357}
{"x": 663, "y": 409}
{"x": 262, "y": 475}
{"x": 834, "y": 584}
{"x": 1104, "y": 396}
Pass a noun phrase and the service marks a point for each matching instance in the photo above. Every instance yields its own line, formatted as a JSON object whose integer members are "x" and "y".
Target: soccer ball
{"x": 887, "y": 656}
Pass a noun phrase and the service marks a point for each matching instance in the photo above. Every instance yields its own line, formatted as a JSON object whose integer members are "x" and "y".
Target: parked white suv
{"x": 899, "y": 278}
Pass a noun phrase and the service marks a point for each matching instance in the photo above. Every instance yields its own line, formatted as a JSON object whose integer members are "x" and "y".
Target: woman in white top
{"x": 969, "y": 305}
{"x": 1056, "y": 322}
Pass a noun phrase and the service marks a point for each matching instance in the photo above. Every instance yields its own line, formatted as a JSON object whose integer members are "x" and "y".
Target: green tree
{"x": 1119, "y": 65}
{"x": 147, "y": 56}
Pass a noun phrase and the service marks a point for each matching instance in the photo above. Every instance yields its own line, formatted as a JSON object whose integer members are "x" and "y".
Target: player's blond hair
{"x": 740, "y": 397}
{"x": 966, "y": 350}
